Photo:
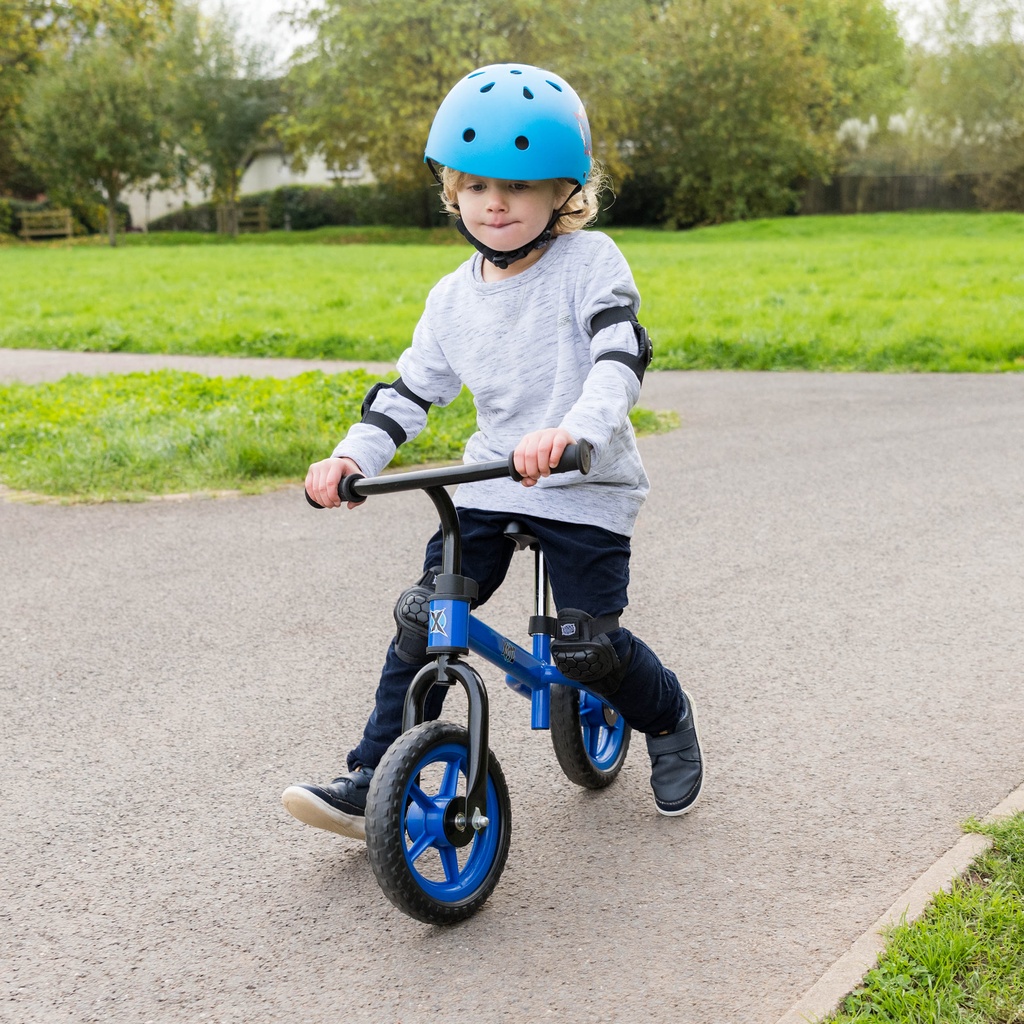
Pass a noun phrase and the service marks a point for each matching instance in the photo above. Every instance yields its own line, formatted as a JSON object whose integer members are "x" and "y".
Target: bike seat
{"x": 519, "y": 536}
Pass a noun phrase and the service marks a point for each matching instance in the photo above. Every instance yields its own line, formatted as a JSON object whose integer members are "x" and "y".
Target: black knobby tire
{"x": 590, "y": 738}
{"x": 417, "y": 868}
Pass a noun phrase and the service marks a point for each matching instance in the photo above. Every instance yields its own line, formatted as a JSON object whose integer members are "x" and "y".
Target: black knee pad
{"x": 583, "y": 652}
{"x": 412, "y": 617}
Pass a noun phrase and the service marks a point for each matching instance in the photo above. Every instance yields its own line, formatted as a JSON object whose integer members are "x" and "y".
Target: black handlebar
{"x": 357, "y": 488}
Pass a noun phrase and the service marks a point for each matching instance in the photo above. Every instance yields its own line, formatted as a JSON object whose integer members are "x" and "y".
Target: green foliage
{"x": 963, "y": 111}
{"x": 222, "y": 95}
{"x": 307, "y": 207}
{"x": 96, "y": 122}
{"x": 368, "y": 87}
{"x": 742, "y": 98}
{"x": 969, "y": 87}
{"x": 884, "y": 292}
{"x": 29, "y": 29}
{"x": 864, "y": 57}
{"x": 1002, "y": 190}
{"x": 127, "y": 436}
{"x": 961, "y": 962}
{"x": 88, "y": 212}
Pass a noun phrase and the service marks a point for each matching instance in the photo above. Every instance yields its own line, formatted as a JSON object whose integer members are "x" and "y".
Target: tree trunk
{"x": 112, "y": 216}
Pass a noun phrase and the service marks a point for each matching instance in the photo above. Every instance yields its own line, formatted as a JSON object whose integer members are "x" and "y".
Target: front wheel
{"x": 425, "y": 863}
{"x": 589, "y": 736}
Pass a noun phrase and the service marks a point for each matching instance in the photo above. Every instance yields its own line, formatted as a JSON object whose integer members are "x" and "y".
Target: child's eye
{"x": 519, "y": 186}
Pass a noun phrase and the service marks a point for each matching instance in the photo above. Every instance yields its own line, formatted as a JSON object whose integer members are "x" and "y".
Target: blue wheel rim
{"x": 445, "y": 873}
{"x": 603, "y": 742}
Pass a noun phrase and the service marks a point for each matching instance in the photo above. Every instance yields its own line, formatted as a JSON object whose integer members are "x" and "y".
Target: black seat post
{"x": 541, "y": 622}
{"x": 541, "y": 585}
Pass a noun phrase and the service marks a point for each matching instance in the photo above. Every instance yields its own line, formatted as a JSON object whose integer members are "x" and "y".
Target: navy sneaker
{"x": 677, "y": 765}
{"x": 338, "y": 807}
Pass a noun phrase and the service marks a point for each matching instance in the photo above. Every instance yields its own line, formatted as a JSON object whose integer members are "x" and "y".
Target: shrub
{"x": 305, "y": 207}
{"x": 1003, "y": 192}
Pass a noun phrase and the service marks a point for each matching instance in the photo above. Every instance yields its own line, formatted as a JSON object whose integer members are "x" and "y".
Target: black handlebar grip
{"x": 345, "y": 485}
{"x": 345, "y": 491}
{"x": 575, "y": 459}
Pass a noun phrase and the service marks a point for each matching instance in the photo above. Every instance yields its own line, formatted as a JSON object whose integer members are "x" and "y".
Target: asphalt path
{"x": 833, "y": 564}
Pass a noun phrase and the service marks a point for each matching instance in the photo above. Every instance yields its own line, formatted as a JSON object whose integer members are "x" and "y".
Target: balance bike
{"x": 438, "y": 815}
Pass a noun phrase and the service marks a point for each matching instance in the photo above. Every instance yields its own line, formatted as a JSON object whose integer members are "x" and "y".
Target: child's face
{"x": 506, "y": 215}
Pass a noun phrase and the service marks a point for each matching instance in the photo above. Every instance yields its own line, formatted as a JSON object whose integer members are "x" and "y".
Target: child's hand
{"x": 538, "y": 452}
{"x": 323, "y": 478}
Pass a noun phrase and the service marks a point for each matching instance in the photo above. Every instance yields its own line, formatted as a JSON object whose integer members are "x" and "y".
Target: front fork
{"x": 447, "y": 638}
{"x": 446, "y": 671}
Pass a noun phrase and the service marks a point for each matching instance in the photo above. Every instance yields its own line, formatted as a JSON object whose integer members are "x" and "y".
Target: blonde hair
{"x": 583, "y": 207}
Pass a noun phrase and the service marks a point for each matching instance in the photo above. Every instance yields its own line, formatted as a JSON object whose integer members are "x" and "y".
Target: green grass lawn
{"x": 883, "y": 292}
{"x": 128, "y": 436}
{"x": 963, "y": 961}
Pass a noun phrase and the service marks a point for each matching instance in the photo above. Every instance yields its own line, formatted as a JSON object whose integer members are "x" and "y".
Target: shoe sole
{"x": 311, "y": 810}
{"x": 703, "y": 765}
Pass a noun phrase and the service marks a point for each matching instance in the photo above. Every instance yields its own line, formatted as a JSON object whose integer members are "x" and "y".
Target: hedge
{"x": 304, "y": 207}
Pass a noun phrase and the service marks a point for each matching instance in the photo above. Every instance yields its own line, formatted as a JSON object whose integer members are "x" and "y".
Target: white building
{"x": 269, "y": 170}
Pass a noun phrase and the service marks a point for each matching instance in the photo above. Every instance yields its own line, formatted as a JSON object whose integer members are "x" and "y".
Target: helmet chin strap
{"x": 502, "y": 259}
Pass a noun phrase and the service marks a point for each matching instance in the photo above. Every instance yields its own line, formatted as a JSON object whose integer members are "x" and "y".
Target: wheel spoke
{"x": 450, "y": 782}
{"x": 421, "y": 799}
{"x": 591, "y": 711}
{"x": 450, "y": 863}
{"x": 420, "y": 847}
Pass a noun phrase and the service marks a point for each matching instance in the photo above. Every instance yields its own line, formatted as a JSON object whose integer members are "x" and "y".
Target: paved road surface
{"x": 833, "y": 563}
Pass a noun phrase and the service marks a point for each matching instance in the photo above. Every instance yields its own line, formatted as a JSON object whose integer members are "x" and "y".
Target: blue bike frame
{"x": 454, "y": 631}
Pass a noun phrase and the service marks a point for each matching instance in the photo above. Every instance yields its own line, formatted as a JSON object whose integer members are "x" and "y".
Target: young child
{"x": 540, "y": 325}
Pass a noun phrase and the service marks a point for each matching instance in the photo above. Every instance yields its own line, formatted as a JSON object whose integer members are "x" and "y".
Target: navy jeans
{"x": 589, "y": 569}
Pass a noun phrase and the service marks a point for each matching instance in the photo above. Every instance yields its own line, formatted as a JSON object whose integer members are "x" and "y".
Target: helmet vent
{"x": 527, "y": 93}
{"x": 522, "y": 142}
{"x": 554, "y": 85}
{"x": 468, "y": 135}
{"x": 487, "y": 88}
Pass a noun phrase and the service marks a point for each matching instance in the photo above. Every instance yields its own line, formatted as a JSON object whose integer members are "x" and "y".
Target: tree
{"x": 744, "y": 97}
{"x": 969, "y": 86}
{"x": 32, "y": 29}
{"x": 369, "y": 85}
{"x": 223, "y": 98}
{"x": 728, "y": 110}
{"x": 97, "y": 122}
{"x": 864, "y": 55}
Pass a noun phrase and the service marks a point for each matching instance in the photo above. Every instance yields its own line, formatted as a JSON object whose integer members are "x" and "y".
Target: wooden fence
{"x": 854, "y": 193}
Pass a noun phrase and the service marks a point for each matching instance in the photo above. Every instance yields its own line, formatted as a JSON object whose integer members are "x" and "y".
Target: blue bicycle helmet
{"x": 515, "y": 122}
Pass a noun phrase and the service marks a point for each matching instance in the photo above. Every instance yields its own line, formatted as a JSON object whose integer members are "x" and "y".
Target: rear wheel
{"x": 589, "y": 736}
{"x": 429, "y": 861}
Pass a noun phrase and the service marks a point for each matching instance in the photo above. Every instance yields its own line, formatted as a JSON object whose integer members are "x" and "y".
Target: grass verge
{"x": 962, "y": 962}
{"x": 908, "y": 292}
{"x": 132, "y": 436}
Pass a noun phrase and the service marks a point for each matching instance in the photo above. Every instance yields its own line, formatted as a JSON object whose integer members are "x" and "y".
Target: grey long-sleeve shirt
{"x": 522, "y": 348}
